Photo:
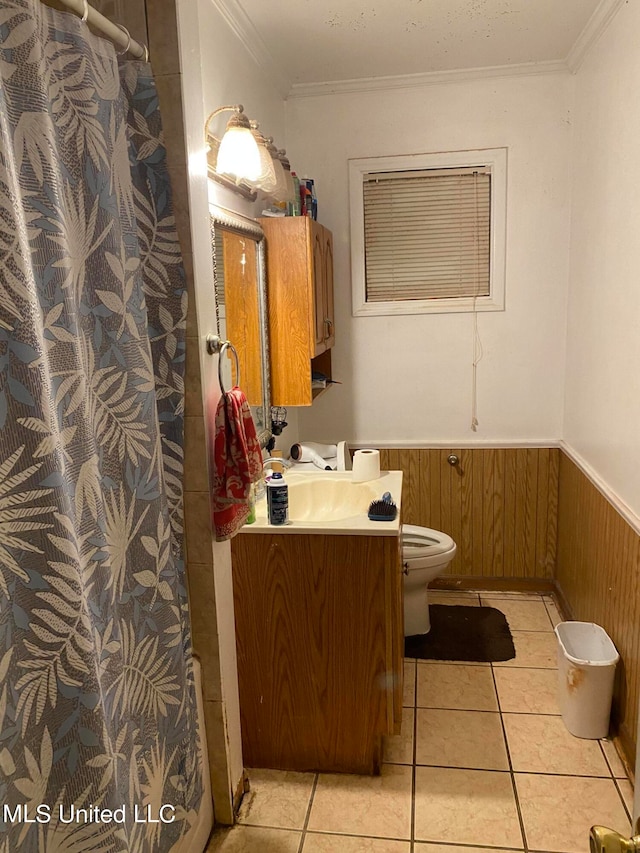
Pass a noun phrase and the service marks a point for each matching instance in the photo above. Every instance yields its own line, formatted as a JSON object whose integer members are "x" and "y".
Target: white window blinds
{"x": 427, "y": 234}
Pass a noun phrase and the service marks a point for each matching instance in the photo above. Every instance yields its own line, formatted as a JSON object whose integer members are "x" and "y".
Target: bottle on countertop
{"x": 277, "y": 499}
{"x": 305, "y": 199}
{"x": 309, "y": 200}
{"x": 296, "y": 206}
{"x": 252, "y": 505}
{"x": 314, "y": 198}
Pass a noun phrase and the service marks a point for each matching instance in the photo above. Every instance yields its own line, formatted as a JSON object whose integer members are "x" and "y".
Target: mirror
{"x": 241, "y": 309}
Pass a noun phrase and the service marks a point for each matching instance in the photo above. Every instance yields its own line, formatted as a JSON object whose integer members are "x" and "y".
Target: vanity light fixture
{"x": 245, "y": 161}
{"x": 235, "y": 158}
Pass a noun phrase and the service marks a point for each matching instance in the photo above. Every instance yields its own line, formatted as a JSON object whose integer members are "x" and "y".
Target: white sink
{"x": 328, "y": 499}
{"x": 330, "y": 502}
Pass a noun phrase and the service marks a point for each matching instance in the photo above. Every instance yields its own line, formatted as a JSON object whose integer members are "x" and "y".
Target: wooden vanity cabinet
{"x": 320, "y": 649}
{"x": 300, "y": 297}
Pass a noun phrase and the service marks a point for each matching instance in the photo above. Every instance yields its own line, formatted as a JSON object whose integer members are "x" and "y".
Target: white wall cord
{"x": 477, "y": 342}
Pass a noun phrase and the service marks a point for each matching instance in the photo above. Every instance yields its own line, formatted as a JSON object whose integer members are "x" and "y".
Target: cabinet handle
{"x": 329, "y": 324}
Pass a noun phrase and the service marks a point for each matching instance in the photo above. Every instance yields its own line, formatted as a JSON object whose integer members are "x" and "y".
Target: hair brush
{"x": 384, "y": 509}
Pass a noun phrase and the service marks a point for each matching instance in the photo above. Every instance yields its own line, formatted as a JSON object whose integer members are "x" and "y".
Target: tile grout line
{"x": 624, "y": 778}
{"x": 616, "y": 782}
{"x": 308, "y": 814}
{"x": 624, "y": 803}
{"x": 511, "y": 771}
{"x": 452, "y": 845}
{"x": 498, "y": 770}
{"x": 606, "y": 760}
{"x": 412, "y": 831}
{"x": 485, "y": 711}
{"x": 549, "y": 615}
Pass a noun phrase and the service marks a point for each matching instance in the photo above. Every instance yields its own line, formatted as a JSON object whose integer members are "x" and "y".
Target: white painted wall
{"x": 231, "y": 75}
{"x": 602, "y": 399}
{"x": 218, "y": 71}
{"x": 408, "y": 379}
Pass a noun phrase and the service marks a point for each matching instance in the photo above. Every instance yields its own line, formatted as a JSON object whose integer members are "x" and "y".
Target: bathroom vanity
{"x": 318, "y": 607}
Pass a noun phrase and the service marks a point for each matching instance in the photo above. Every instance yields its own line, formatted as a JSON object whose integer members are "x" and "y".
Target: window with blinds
{"x": 427, "y": 234}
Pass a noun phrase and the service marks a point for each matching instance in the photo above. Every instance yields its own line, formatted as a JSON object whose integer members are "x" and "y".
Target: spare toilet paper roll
{"x": 366, "y": 465}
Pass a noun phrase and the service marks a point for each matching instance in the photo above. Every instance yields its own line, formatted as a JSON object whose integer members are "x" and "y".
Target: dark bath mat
{"x": 461, "y": 633}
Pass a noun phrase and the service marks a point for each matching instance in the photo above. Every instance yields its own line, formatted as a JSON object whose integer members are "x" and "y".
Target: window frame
{"x": 493, "y": 158}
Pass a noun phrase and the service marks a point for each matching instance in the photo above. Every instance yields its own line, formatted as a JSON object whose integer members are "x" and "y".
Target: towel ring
{"x": 215, "y": 344}
{"x": 128, "y": 35}
{"x": 225, "y": 346}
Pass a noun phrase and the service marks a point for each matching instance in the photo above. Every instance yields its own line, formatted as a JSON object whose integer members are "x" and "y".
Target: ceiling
{"x": 320, "y": 41}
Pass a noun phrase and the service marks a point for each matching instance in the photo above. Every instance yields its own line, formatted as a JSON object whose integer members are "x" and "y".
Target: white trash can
{"x": 586, "y": 667}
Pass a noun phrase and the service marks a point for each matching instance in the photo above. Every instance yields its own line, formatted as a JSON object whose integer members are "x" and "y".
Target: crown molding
{"x": 429, "y": 78}
{"x": 240, "y": 24}
{"x": 596, "y": 25}
{"x": 242, "y": 27}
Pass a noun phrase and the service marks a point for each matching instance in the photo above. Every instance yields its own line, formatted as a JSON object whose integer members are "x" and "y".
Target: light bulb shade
{"x": 266, "y": 181}
{"x": 281, "y": 191}
{"x": 238, "y": 155}
{"x": 286, "y": 165}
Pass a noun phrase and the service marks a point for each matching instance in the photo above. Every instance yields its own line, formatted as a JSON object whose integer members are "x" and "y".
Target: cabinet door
{"x": 312, "y": 645}
{"x": 317, "y": 236}
{"x": 327, "y": 296}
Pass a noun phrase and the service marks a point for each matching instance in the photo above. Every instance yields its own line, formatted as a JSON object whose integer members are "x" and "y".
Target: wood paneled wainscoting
{"x": 499, "y": 505}
{"x": 598, "y": 580}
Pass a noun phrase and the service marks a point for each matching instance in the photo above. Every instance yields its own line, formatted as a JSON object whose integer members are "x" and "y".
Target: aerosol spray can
{"x": 277, "y": 499}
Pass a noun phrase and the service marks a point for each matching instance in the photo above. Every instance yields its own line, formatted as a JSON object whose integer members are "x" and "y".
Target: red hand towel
{"x": 236, "y": 462}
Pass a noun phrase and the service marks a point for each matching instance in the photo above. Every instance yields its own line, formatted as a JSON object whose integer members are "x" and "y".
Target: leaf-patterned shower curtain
{"x": 97, "y": 702}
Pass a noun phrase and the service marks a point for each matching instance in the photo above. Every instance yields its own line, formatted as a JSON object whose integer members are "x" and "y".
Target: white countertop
{"x": 305, "y": 502}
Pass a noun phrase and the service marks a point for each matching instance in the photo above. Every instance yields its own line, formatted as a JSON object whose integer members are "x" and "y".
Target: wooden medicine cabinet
{"x": 300, "y": 297}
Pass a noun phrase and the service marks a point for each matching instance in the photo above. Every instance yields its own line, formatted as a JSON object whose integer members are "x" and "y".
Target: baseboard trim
{"x": 625, "y": 747}
{"x": 563, "y": 604}
{"x": 473, "y": 582}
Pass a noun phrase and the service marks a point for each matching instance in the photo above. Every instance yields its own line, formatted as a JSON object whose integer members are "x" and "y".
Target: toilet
{"x": 426, "y": 554}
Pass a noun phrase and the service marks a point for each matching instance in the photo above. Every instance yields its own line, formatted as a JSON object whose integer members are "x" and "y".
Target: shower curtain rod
{"x": 117, "y": 34}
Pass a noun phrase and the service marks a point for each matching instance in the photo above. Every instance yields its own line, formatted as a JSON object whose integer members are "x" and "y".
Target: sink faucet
{"x": 268, "y": 463}
{"x": 261, "y": 489}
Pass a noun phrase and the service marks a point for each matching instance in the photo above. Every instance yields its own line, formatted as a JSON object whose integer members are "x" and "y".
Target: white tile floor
{"x": 483, "y": 761}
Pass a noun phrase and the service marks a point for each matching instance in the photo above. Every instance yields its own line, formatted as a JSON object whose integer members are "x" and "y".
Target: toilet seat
{"x": 420, "y": 543}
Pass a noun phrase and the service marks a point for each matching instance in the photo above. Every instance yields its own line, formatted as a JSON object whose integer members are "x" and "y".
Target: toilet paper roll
{"x": 366, "y": 465}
